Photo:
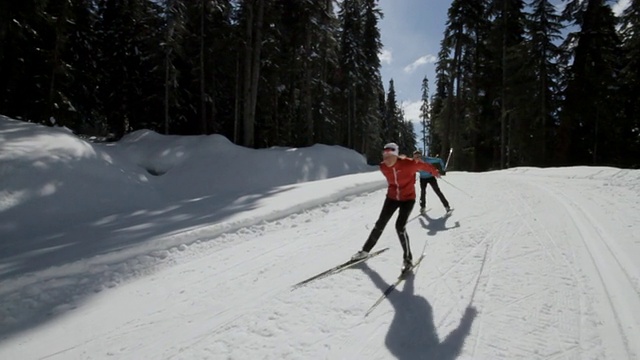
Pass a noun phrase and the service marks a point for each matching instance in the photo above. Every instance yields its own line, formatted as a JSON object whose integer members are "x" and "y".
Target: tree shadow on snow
{"x": 109, "y": 235}
{"x": 435, "y": 225}
{"x": 412, "y": 333}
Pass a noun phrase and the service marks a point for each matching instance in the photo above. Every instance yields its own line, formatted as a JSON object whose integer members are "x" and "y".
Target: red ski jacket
{"x": 401, "y": 177}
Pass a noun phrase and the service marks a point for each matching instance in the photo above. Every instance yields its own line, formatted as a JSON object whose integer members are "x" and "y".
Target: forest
{"x": 518, "y": 83}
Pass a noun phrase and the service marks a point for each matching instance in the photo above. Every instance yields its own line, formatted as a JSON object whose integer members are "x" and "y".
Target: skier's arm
{"x": 428, "y": 168}
{"x": 442, "y": 165}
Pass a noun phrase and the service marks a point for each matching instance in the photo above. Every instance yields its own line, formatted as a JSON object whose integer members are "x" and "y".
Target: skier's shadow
{"x": 434, "y": 225}
{"x": 412, "y": 333}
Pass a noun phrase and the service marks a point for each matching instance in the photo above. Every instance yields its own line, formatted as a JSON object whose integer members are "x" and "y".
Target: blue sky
{"x": 411, "y": 31}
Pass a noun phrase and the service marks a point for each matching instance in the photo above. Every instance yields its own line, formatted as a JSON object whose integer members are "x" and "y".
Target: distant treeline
{"x": 261, "y": 72}
{"x": 521, "y": 83}
{"x": 517, "y": 83}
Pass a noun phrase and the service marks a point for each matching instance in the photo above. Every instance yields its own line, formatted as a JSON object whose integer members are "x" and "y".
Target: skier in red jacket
{"x": 400, "y": 173}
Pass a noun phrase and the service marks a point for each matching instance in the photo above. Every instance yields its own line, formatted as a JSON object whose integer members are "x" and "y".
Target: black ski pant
{"x": 423, "y": 191}
{"x": 390, "y": 206}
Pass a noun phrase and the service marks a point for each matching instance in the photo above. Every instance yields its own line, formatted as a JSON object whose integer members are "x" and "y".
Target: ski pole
{"x": 448, "y": 158}
{"x": 457, "y": 188}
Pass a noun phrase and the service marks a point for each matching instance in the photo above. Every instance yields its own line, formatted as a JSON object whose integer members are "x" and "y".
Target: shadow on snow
{"x": 106, "y": 235}
{"x": 412, "y": 333}
{"x": 436, "y": 225}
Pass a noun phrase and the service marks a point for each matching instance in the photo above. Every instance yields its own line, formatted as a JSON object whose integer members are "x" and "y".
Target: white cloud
{"x": 412, "y": 110}
{"x": 620, "y": 6}
{"x": 385, "y": 56}
{"x": 427, "y": 59}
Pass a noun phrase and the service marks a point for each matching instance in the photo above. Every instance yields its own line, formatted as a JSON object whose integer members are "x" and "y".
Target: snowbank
{"x": 63, "y": 199}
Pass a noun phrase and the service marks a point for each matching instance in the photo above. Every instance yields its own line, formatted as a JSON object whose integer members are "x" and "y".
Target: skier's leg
{"x": 436, "y": 189}
{"x": 401, "y": 225}
{"x": 423, "y": 192}
{"x": 387, "y": 211}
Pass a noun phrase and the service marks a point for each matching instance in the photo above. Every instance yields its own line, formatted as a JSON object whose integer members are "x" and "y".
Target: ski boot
{"x": 359, "y": 255}
{"x": 407, "y": 265}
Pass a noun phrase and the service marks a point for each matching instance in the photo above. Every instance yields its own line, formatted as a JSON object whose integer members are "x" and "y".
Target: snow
{"x": 168, "y": 247}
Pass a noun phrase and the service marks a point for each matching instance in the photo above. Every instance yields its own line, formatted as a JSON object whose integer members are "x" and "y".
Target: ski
{"x": 338, "y": 268}
{"x": 389, "y": 290}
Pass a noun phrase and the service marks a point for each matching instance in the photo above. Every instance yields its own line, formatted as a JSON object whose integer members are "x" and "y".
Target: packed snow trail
{"x": 560, "y": 281}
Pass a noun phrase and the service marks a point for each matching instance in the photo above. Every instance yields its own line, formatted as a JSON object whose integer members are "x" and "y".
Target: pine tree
{"x": 352, "y": 65}
{"x": 544, "y": 28}
{"x": 438, "y": 99}
{"x": 630, "y": 78}
{"x": 326, "y": 109}
{"x": 24, "y": 72}
{"x": 172, "y": 45}
{"x": 425, "y": 110}
{"x": 372, "y": 46}
{"x": 253, "y": 47}
{"x": 205, "y": 54}
{"x": 588, "y": 123}
{"x": 390, "y": 122}
{"x": 131, "y": 74}
{"x": 81, "y": 56}
{"x": 507, "y": 46}
{"x": 456, "y": 105}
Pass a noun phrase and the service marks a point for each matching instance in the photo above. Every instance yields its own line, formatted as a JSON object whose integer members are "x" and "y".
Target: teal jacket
{"x": 437, "y": 162}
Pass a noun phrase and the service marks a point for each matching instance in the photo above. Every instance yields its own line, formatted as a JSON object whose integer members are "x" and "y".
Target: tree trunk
{"x": 308, "y": 108}
{"x": 543, "y": 110}
{"x": 503, "y": 100}
{"x": 595, "y": 138}
{"x": 252, "y": 71}
{"x": 166, "y": 93}
{"x": 203, "y": 110}
{"x": 57, "y": 66}
{"x": 213, "y": 110}
{"x": 247, "y": 121}
{"x": 453, "y": 97}
{"x": 236, "y": 109}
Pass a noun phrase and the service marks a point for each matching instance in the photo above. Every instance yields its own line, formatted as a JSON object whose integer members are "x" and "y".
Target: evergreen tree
{"x": 390, "y": 128}
{"x": 588, "y": 122}
{"x": 629, "y": 139}
{"x": 24, "y": 72}
{"x": 544, "y": 28}
{"x": 175, "y": 31}
{"x": 130, "y": 81}
{"x": 327, "y": 92}
{"x": 438, "y": 99}
{"x": 425, "y": 111}
{"x": 507, "y": 48}
{"x": 352, "y": 65}
{"x": 456, "y": 105}
{"x": 370, "y": 114}
{"x": 81, "y": 54}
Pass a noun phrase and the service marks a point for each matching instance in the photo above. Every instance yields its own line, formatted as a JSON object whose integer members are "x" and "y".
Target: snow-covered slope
{"x": 63, "y": 199}
{"x": 561, "y": 277}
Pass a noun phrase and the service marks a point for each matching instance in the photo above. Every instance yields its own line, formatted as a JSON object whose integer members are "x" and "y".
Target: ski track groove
{"x": 601, "y": 235}
{"x": 549, "y": 253}
{"x": 487, "y": 286}
{"x": 570, "y": 204}
{"x": 574, "y": 211}
{"x": 484, "y": 296}
{"x": 227, "y": 323}
{"x": 473, "y": 249}
{"x": 495, "y": 260}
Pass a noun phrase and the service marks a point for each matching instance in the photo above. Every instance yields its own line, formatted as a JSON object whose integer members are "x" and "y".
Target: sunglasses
{"x": 388, "y": 149}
